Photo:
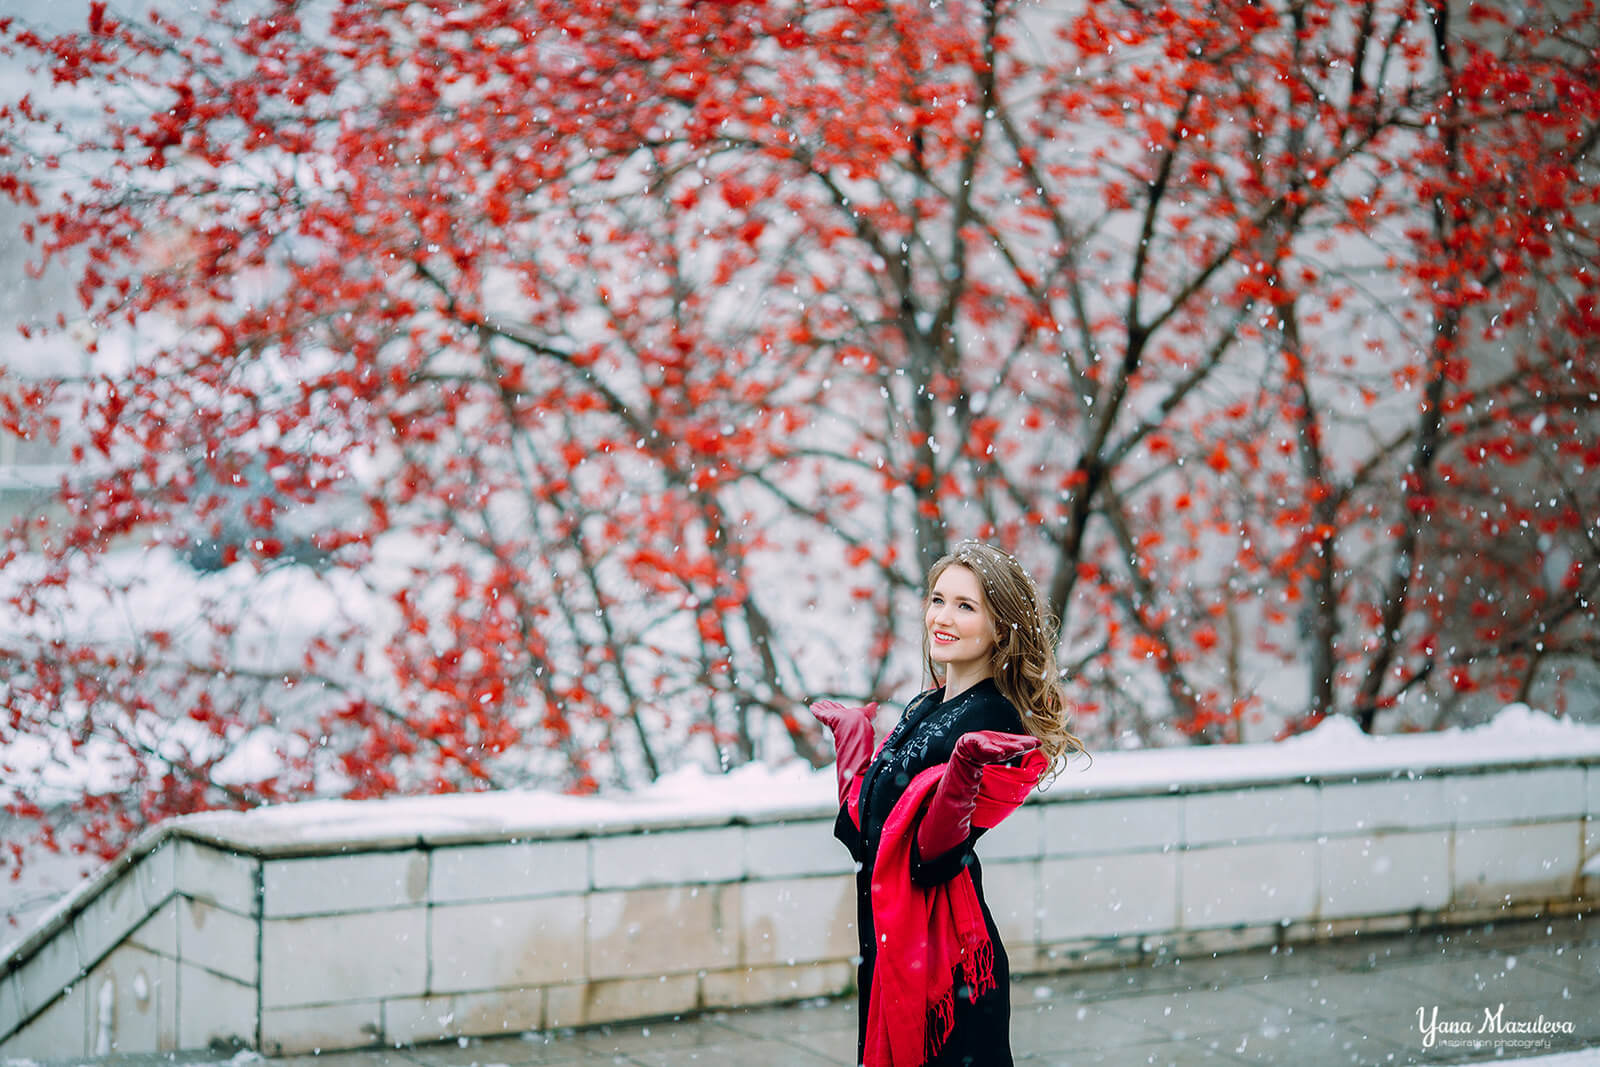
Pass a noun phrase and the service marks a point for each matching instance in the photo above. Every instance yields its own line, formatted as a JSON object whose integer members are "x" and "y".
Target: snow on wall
{"x": 721, "y": 890}
{"x": 764, "y": 793}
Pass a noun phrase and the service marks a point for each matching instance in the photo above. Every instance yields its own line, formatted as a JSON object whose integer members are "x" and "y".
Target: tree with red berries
{"x": 492, "y": 395}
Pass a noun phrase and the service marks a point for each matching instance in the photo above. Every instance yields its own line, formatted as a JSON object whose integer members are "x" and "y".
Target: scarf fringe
{"x": 976, "y": 976}
{"x": 941, "y": 1022}
{"x": 977, "y": 969}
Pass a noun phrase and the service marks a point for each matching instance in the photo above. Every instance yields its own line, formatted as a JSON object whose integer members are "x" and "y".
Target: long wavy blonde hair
{"x": 1023, "y": 657}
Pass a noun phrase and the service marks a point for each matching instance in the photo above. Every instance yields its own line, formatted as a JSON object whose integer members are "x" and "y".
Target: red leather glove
{"x": 852, "y": 738}
{"x": 948, "y": 820}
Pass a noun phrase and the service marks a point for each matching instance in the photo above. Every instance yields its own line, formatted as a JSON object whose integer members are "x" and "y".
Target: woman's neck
{"x": 957, "y": 681}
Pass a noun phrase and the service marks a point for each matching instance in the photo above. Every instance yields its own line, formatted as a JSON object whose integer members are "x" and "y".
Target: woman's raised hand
{"x": 948, "y": 820}
{"x": 982, "y": 747}
{"x": 852, "y": 738}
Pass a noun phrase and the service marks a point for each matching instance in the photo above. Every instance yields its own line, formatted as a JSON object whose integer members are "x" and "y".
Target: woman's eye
{"x": 966, "y": 607}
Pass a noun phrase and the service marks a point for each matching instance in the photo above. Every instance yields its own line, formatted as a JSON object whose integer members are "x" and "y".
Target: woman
{"x": 934, "y": 980}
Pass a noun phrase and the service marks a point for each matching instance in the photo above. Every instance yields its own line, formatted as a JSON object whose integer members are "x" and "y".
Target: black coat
{"x": 924, "y": 737}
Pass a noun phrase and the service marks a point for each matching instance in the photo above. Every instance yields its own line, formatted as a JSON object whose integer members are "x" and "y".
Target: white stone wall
{"x": 159, "y": 953}
{"x": 417, "y": 938}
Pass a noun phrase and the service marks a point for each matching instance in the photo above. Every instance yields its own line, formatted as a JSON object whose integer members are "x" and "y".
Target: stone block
{"x": 1093, "y": 952}
{"x": 10, "y": 1004}
{"x": 1384, "y": 873}
{"x": 329, "y": 885}
{"x": 1500, "y": 865}
{"x": 1107, "y": 896}
{"x": 460, "y": 874}
{"x": 1020, "y": 836}
{"x": 1504, "y": 912}
{"x": 1394, "y": 804}
{"x": 51, "y": 968}
{"x": 563, "y": 1006}
{"x": 62, "y": 1029}
{"x": 510, "y": 943}
{"x": 621, "y": 998}
{"x": 133, "y": 1001}
{"x": 214, "y": 1008}
{"x": 107, "y": 919}
{"x": 798, "y": 920}
{"x": 157, "y": 875}
{"x": 1120, "y": 824}
{"x": 1195, "y": 944}
{"x": 223, "y": 878}
{"x": 217, "y": 939}
{"x": 1012, "y": 892}
{"x": 159, "y": 933}
{"x": 309, "y": 1028}
{"x": 407, "y": 1020}
{"x": 1229, "y": 816}
{"x": 1253, "y": 884}
{"x": 1540, "y": 795}
{"x": 678, "y": 857}
{"x": 1027, "y": 957}
{"x": 500, "y": 1011}
{"x": 774, "y": 985}
{"x": 1366, "y": 926}
{"x": 663, "y": 931}
{"x": 794, "y": 850}
{"x": 328, "y": 959}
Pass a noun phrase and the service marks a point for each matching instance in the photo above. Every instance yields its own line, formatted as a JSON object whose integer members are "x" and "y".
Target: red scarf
{"x": 930, "y": 940}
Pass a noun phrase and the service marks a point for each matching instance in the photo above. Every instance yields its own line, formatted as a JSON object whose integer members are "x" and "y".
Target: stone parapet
{"x": 331, "y": 926}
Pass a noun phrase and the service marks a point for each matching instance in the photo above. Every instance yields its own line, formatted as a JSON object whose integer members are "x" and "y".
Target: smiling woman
{"x": 933, "y": 979}
{"x": 960, "y": 631}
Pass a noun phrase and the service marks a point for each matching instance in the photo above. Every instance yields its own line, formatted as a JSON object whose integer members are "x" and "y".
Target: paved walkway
{"x": 1354, "y": 1002}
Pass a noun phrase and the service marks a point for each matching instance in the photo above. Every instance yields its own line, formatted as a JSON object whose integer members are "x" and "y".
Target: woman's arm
{"x": 846, "y": 830}
{"x": 852, "y": 740}
{"x": 929, "y": 874}
{"x": 947, "y": 823}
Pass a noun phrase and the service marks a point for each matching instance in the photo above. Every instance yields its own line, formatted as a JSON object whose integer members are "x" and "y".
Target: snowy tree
{"x": 489, "y": 394}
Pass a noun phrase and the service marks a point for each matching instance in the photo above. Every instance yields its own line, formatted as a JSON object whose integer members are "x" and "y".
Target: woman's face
{"x": 960, "y": 630}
